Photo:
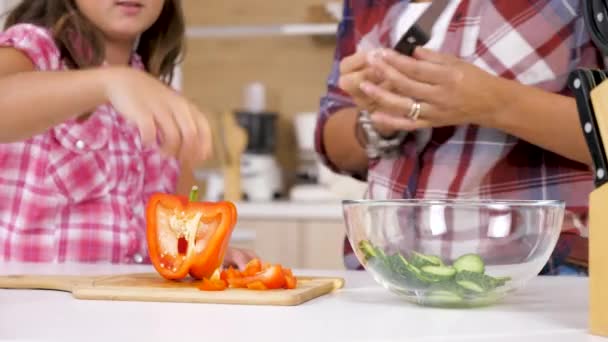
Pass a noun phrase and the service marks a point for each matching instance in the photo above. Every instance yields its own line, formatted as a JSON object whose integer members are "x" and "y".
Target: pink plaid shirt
{"x": 76, "y": 192}
{"x": 537, "y": 43}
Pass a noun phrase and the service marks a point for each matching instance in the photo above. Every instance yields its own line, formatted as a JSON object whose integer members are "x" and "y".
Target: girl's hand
{"x": 156, "y": 108}
{"x": 238, "y": 257}
{"x": 450, "y": 91}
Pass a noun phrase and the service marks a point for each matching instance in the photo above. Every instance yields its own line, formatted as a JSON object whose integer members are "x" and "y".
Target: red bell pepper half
{"x": 188, "y": 237}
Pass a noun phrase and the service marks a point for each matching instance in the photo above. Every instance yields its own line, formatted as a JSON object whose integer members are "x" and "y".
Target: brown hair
{"x": 160, "y": 46}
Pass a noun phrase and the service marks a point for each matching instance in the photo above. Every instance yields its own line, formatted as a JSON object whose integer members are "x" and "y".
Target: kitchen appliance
{"x": 261, "y": 175}
{"x": 309, "y": 170}
{"x": 314, "y": 180}
{"x": 150, "y": 287}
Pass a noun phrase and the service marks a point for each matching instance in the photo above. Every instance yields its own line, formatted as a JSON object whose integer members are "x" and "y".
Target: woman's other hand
{"x": 355, "y": 70}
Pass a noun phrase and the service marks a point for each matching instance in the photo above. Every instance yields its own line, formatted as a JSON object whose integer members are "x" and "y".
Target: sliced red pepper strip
{"x": 272, "y": 278}
{"x": 253, "y": 267}
{"x": 257, "y": 285}
{"x": 230, "y": 273}
{"x": 290, "y": 281}
{"x": 188, "y": 237}
{"x": 213, "y": 285}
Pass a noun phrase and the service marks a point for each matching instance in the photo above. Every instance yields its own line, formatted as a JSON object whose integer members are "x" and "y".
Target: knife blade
{"x": 420, "y": 33}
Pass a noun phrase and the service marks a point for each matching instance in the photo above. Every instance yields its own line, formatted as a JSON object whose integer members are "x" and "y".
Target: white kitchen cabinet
{"x": 295, "y": 235}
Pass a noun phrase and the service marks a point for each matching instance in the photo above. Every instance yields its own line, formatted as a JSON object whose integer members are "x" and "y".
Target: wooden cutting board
{"x": 150, "y": 287}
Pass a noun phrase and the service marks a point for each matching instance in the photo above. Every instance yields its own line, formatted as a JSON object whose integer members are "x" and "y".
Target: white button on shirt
{"x": 80, "y": 144}
{"x": 138, "y": 258}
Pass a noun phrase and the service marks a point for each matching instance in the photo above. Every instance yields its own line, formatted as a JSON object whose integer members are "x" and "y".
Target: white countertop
{"x": 550, "y": 309}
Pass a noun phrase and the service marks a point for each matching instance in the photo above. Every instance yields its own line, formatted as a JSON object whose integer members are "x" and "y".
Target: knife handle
{"x": 413, "y": 37}
{"x": 581, "y": 82}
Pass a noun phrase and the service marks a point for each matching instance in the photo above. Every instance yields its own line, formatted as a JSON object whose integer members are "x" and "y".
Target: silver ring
{"x": 415, "y": 111}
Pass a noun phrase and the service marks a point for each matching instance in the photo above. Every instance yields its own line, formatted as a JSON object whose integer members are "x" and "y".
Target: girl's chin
{"x": 123, "y": 35}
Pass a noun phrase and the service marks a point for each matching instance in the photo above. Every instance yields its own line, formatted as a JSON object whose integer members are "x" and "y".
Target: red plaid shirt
{"x": 76, "y": 192}
{"x": 537, "y": 43}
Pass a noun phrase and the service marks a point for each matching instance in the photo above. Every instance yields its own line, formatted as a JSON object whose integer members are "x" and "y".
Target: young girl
{"x": 90, "y": 128}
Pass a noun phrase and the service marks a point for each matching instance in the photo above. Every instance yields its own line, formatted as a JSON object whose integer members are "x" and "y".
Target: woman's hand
{"x": 450, "y": 91}
{"x": 156, "y": 108}
{"x": 355, "y": 70}
{"x": 238, "y": 257}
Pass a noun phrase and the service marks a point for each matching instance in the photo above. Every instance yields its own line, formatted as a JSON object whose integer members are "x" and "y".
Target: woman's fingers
{"x": 417, "y": 70}
{"x": 387, "y": 101}
{"x": 401, "y": 83}
{"x": 397, "y": 123}
{"x": 353, "y": 63}
{"x": 432, "y": 56}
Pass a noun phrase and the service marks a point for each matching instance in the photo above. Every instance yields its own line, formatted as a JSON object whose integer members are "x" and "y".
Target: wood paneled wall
{"x": 294, "y": 69}
{"x": 248, "y": 12}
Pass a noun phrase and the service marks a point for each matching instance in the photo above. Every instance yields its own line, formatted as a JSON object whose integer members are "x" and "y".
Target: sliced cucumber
{"x": 380, "y": 253}
{"x": 462, "y": 282}
{"x": 475, "y": 282}
{"x": 438, "y": 272}
{"x": 420, "y": 260}
{"x": 367, "y": 249}
{"x": 444, "y": 297}
{"x": 470, "y": 263}
{"x": 398, "y": 261}
{"x": 470, "y": 286}
{"x": 399, "y": 266}
{"x": 500, "y": 281}
{"x": 406, "y": 273}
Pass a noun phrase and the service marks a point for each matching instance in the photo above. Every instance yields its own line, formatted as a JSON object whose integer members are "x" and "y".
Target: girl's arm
{"x": 32, "y": 102}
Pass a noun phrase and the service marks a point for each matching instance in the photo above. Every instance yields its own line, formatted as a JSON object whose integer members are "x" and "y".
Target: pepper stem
{"x": 194, "y": 194}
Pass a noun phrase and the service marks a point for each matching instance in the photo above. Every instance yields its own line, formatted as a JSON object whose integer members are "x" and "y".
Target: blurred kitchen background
{"x": 259, "y": 68}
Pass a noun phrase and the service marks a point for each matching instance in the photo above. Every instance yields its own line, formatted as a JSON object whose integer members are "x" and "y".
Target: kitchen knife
{"x": 595, "y": 13}
{"x": 582, "y": 82}
{"x": 420, "y": 33}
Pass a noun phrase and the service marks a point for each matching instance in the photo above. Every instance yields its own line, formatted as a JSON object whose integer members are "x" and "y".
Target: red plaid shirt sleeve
{"x": 335, "y": 98}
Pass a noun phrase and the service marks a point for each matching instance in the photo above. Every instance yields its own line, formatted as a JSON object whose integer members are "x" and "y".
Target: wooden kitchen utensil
{"x": 598, "y": 228}
{"x": 591, "y": 93}
{"x": 234, "y": 140}
{"x": 150, "y": 287}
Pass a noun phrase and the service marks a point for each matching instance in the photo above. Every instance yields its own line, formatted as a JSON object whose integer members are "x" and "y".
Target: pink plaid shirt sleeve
{"x": 76, "y": 192}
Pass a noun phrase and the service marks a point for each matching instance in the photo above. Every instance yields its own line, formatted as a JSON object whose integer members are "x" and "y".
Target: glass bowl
{"x": 453, "y": 253}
